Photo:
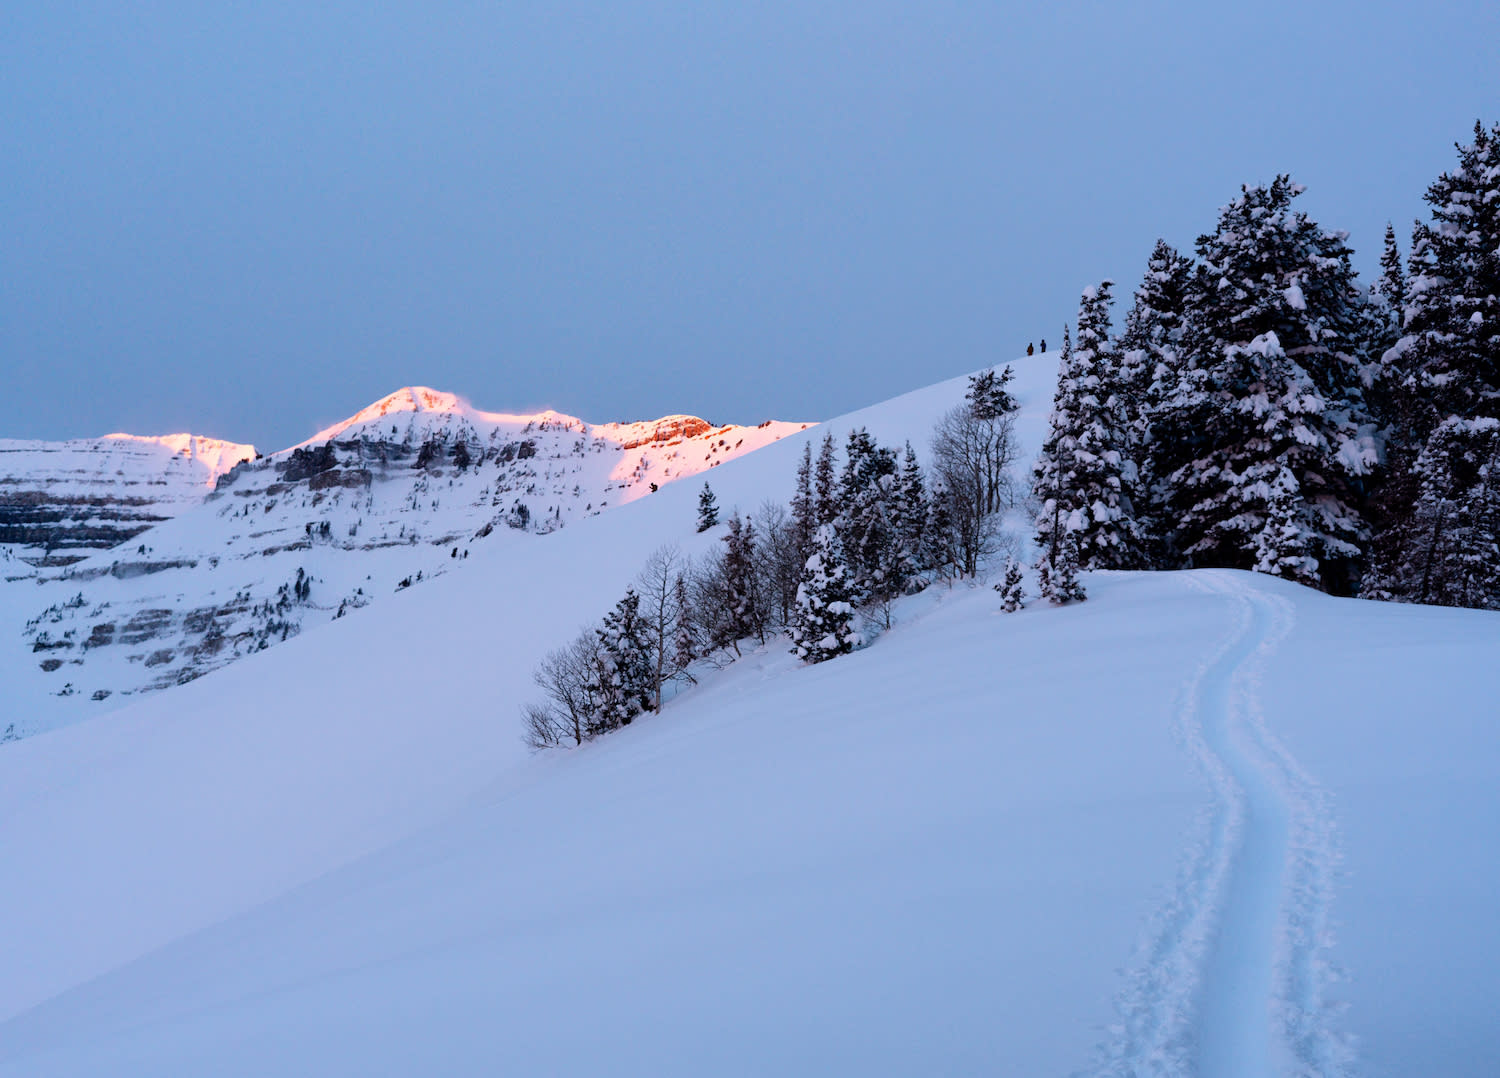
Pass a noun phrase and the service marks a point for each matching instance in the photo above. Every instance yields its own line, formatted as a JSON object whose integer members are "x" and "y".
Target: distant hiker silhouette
{"x": 1031, "y": 350}
{"x": 1044, "y": 346}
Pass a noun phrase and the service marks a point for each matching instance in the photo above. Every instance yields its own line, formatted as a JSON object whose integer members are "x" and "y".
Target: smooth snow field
{"x": 1204, "y": 823}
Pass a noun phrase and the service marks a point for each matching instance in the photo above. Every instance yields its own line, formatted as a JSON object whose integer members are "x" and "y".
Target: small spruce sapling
{"x": 1066, "y": 587}
{"x": 708, "y": 509}
{"x": 1011, "y": 593}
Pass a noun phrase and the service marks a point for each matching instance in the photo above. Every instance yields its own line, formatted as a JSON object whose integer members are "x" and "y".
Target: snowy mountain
{"x": 244, "y": 553}
{"x": 1202, "y": 823}
{"x": 61, "y": 500}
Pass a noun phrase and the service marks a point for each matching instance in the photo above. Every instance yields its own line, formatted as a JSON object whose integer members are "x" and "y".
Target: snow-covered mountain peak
{"x": 61, "y": 500}
{"x": 211, "y": 456}
{"x": 408, "y": 401}
{"x": 413, "y": 414}
{"x": 213, "y": 552}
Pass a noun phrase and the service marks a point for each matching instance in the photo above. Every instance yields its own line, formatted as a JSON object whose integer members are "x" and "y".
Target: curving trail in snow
{"x": 1231, "y": 983}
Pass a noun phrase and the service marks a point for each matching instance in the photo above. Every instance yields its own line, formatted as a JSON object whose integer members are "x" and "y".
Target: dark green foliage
{"x": 744, "y": 613}
{"x": 825, "y": 494}
{"x": 1282, "y": 547}
{"x": 1446, "y": 549}
{"x": 1441, "y": 375}
{"x": 708, "y": 509}
{"x": 1151, "y": 352}
{"x": 1084, "y": 477}
{"x": 988, "y": 395}
{"x": 1010, "y": 589}
{"x": 804, "y": 509}
{"x": 1057, "y": 577}
{"x": 1448, "y": 358}
{"x": 622, "y": 686}
{"x": 1272, "y": 381}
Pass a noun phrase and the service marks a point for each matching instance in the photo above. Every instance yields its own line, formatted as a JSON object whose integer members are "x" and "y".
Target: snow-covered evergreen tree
{"x": 1151, "y": 340}
{"x": 685, "y": 637}
{"x": 864, "y": 461}
{"x": 1384, "y": 316}
{"x": 804, "y": 508}
{"x": 989, "y": 395}
{"x": 1066, "y": 587}
{"x": 825, "y": 492}
{"x": 1152, "y": 360}
{"x": 939, "y": 550}
{"x": 1390, "y": 286}
{"x": 1011, "y": 588}
{"x": 824, "y": 626}
{"x": 622, "y": 684}
{"x": 1283, "y": 547}
{"x": 1445, "y": 367}
{"x": 1057, "y": 576}
{"x": 708, "y": 509}
{"x": 1449, "y": 355}
{"x": 743, "y": 615}
{"x": 1275, "y": 383}
{"x": 882, "y": 564}
{"x": 1050, "y": 475}
{"x": 912, "y": 511}
{"x": 867, "y": 522}
{"x": 1450, "y": 537}
{"x": 1083, "y": 477}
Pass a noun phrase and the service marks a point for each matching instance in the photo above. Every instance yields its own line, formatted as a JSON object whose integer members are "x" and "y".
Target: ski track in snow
{"x": 1231, "y": 980}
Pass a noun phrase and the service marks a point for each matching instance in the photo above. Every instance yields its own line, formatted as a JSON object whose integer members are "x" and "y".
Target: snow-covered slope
{"x": 253, "y": 554}
{"x": 932, "y": 856}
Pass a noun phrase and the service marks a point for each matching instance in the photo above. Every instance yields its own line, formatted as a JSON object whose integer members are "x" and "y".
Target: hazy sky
{"x": 248, "y": 220}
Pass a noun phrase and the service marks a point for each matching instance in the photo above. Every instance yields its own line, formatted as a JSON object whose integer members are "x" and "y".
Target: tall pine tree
{"x": 912, "y": 512}
{"x": 1449, "y": 354}
{"x": 1387, "y": 307}
{"x": 825, "y": 491}
{"x": 804, "y": 508}
{"x": 1084, "y": 475}
{"x": 1444, "y": 368}
{"x": 743, "y": 614}
{"x": 1391, "y": 284}
{"x": 1274, "y": 382}
{"x": 1450, "y": 536}
{"x": 1159, "y": 432}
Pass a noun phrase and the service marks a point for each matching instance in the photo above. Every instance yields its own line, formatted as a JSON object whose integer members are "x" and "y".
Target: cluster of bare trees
{"x": 973, "y": 451}
{"x": 854, "y": 538}
{"x": 679, "y": 613}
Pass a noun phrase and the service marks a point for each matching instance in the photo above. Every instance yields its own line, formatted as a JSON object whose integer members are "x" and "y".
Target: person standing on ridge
{"x": 1044, "y": 346}
{"x": 1031, "y": 350}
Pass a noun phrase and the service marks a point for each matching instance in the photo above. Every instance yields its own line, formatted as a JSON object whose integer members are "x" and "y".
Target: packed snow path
{"x": 1231, "y": 985}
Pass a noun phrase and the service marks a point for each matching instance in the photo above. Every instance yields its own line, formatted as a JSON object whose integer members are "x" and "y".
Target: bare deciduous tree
{"x": 657, "y": 585}
{"x": 570, "y": 710}
{"x": 971, "y": 461}
{"x": 777, "y": 562}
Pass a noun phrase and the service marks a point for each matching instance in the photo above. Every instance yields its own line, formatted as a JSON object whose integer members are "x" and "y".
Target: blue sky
{"x": 248, "y": 220}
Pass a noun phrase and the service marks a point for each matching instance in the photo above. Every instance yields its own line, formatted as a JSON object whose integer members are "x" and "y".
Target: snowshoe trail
{"x": 1231, "y": 982}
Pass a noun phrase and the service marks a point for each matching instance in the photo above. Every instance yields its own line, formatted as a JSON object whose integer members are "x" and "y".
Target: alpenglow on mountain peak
{"x": 151, "y": 561}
